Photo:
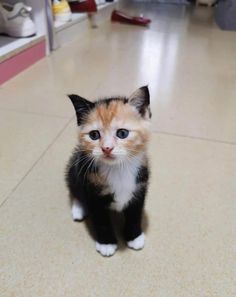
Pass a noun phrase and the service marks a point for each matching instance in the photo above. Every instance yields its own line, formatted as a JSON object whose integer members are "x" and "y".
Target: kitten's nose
{"x": 107, "y": 150}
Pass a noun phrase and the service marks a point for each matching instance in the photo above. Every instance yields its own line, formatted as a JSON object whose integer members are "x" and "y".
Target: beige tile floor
{"x": 191, "y": 208}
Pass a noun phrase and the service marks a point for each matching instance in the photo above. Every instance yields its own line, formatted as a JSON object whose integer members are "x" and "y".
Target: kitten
{"x": 109, "y": 168}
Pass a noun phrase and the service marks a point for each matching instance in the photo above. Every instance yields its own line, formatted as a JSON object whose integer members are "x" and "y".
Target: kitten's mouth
{"x": 109, "y": 158}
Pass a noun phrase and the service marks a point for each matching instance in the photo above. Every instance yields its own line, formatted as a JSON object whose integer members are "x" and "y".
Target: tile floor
{"x": 190, "y": 216}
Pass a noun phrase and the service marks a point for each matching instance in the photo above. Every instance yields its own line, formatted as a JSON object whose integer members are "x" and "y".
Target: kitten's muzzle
{"x": 107, "y": 150}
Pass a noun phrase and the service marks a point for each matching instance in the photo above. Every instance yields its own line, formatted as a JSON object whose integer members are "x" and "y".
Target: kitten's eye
{"x": 122, "y": 133}
{"x": 94, "y": 134}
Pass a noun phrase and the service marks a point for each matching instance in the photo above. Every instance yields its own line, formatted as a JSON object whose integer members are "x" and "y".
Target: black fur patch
{"x": 143, "y": 174}
{"x": 107, "y": 101}
{"x": 82, "y": 107}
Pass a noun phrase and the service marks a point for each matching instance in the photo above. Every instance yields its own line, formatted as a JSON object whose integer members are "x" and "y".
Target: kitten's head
{"x": 113, "y": 130}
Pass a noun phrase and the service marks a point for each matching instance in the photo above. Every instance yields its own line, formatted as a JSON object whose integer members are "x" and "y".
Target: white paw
{"x": 137, "y": 243}
{"x": 77, "y": 211}
{"x": 106, "y": 249}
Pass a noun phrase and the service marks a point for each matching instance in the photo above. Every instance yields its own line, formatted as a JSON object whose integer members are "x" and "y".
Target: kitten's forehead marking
{"x": 106, "y": 113}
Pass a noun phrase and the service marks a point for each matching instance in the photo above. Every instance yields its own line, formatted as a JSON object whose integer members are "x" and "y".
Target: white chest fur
{"x": 122, "y": 182}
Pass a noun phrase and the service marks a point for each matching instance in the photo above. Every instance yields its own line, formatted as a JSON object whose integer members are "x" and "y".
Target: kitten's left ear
{"x": 140, "y": 99}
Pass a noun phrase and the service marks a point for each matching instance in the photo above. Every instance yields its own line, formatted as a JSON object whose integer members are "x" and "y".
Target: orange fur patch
{"x": 85, "y": 144}
{"x": 107, "y": 113}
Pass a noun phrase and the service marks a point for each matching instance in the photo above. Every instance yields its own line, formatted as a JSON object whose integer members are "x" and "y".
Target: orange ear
{"x": 82, "y": 107}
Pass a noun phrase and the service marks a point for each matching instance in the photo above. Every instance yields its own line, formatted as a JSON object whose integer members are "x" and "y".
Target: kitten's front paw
{"x": 106, "y": 249}
{"x": 78, "y": 212}
{"x": 137, "y": 243}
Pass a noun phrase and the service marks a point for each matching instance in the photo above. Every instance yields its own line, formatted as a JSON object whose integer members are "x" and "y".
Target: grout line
{"x": 194, "y": 137}
{"x": 34, "y": 113}
{"x": 36, "y": 162}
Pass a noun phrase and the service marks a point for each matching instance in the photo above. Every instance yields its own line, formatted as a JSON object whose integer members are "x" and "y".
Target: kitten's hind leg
{"x": 77, "y": 210}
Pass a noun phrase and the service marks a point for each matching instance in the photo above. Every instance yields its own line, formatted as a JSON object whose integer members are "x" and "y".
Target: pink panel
{"x": 21, "y": 61}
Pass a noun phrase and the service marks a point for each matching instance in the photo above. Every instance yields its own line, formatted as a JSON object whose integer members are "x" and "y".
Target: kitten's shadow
{"x": 118, "y": 223}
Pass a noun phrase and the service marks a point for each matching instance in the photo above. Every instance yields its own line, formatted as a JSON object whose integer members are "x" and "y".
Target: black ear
{"x": 82, "y": 107}
{"x": 140, "y": 99}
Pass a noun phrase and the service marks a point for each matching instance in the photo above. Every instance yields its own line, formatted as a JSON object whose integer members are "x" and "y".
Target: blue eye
{"x": 94, "y": 134}
{"x": 122, "y": 133}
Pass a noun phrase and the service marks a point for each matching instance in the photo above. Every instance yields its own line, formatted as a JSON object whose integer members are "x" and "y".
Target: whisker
{"x": 85, "y": 163}
{"x": 79, "y": 159}
{"x": 79, "y": 162}
{"x": 86, "y": 172}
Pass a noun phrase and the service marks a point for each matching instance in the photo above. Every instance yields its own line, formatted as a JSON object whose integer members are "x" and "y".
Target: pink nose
{"x": 107, "y": 150}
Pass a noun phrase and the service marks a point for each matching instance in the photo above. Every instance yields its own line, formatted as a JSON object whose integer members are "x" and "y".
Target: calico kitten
{"x": 109, "y": 168}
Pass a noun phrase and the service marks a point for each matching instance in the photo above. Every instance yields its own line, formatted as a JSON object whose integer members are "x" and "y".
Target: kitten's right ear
{"x": 82, "y": 107}
{"x": 140, "y": 99}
